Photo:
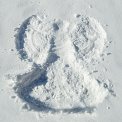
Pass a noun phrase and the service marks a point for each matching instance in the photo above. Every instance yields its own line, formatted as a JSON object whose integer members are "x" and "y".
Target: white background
{"x": 14, "y": 12}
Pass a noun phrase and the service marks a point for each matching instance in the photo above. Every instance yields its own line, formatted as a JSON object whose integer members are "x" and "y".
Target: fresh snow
{"x": 60, "y": 51}
{"x": 60, "y": 61}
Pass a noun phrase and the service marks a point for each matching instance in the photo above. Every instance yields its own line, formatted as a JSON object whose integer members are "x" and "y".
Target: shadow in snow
{"x": 19, "y": 42}
{"x": 38, "y": 76}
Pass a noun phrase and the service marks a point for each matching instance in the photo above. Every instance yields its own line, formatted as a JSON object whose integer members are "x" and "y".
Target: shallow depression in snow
{"x": 60, "y": 51}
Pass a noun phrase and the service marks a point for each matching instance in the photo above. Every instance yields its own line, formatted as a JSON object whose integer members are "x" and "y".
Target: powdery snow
{"x": 60, "y": 51}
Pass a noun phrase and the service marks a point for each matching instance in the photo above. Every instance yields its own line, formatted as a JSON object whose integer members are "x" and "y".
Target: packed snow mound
{"x": 39, "y": 33}
{"x": 58, "y": 49}
{"x": 68, "y": 87}
{"x": 89, "y": 38}
{"x": 86, "y": 34}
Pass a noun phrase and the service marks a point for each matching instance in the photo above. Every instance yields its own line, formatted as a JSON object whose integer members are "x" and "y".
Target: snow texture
{"x": 60, "y": 51}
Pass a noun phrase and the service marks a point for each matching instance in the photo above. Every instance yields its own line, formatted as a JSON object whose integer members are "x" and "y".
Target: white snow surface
{"x": 65, "y": 45}
{"x": 59, "y": 60}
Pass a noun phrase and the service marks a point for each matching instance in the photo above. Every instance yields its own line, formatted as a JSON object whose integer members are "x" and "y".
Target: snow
{"x": 58, "y": 48}
{"x": 106, "y": 13}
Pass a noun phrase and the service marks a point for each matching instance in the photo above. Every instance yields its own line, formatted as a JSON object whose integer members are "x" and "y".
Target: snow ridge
{"x": 60, "y": 51}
